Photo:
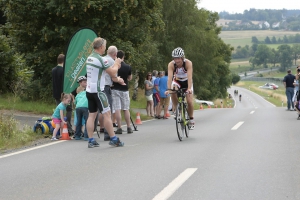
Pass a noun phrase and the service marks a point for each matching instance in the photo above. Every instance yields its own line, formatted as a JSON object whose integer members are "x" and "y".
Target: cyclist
{"x": 240, "y": 97}
{"x": 180, "y": 75}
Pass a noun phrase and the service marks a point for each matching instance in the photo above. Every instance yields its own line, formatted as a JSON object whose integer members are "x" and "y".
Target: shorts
{"x": 121, "y": 100}
{"x": 150, "y": 97}
{"x": 165, "y": 101}
{"x": 157, "y": 98}
{"x": 181, "y": 84}
{"x": 97, "y": 101}
{"x": 107, "y": 91}
{"x": 56, "y": 120}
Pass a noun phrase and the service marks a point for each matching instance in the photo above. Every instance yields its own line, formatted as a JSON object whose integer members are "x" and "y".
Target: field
{"x": 243, "y": 38}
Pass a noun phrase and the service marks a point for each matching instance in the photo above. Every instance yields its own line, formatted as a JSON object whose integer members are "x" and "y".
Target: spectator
{"x": 97, "y": 99}
{"x": 120, "y": 94}
{"x": 156, "y": 94}
{"x": 149, "y": 94}
{"x": 82, "y": 114}
{"x": 296, "y": 84}
{"x": 154, "y": 75}
{"x": 82, "y": 86}
{"x": 57, "y": 79}
{"x": 57, "y": 84}
{"x": 288, "y": 81}
{"x": 58, "y": 115}
{"x": 111, "y": 56}
{"x": 164, "y": 99}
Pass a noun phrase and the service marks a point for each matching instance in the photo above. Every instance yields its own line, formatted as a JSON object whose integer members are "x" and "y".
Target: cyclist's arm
{"x": 189, "y": 68}
{"x": 170, "y": 74}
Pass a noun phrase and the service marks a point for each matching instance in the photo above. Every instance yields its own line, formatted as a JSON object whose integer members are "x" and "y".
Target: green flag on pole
{"x": 80, "y": 47}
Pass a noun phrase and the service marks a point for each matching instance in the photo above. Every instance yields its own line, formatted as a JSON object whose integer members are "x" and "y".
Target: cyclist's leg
{"x": 189, "y": 100}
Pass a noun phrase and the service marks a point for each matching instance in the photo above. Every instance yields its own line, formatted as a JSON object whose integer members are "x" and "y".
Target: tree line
{"x": 261, "y": 55}
{"x": 35, "y": 32}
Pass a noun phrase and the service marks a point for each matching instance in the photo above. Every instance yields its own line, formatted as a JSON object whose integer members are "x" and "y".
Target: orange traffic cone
{"x": 168, "y": 114}
{"x": 209, "y": 106}
{"x": 65, "y": 133}
{"x": 201, "y": 107}
{"x": 138, "y": 118}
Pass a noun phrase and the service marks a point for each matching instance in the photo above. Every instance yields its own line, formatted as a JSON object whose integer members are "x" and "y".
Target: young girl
{"x": 58, "y": 115}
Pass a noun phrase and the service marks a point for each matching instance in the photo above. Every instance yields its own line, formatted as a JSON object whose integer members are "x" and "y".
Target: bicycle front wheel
{"x": 179, "y": 123}
{"x": 186, "y": 121}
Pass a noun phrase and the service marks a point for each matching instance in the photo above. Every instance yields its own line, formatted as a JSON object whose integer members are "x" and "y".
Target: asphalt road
{"x": 250, "y": 152}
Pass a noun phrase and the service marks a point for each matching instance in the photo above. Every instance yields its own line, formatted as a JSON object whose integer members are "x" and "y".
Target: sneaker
{"x": 129, "y": 130}
{"x": 119, "y": 131}
{"x": 54, "y": 138}
{"x": 191, "y": 124}
{"x": 115, "y": 125}
{"x": 93, "y": 144}
{"x": 86, "y": 139}
{"x": 77, "y": 138}
{"x": 116, "y": 143}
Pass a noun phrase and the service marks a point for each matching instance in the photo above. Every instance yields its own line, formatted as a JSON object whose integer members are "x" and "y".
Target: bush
{"x": 11, "y": 136}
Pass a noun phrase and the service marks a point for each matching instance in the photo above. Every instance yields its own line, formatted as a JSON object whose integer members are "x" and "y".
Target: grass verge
{"x": 12, "y": 137}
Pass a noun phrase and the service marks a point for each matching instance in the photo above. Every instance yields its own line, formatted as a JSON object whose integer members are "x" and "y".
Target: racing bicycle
{"x": 181, "y": 115}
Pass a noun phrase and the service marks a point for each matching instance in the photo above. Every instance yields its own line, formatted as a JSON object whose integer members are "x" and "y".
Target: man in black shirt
{"x": 288, "y": 81}
{"x": 58, "y": 78}
{"x": 120, "y": 94}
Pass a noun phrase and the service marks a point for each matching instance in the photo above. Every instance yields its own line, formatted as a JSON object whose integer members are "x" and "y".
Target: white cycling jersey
{"x": 95, "y": 66}
{"x": 180, "y": 72}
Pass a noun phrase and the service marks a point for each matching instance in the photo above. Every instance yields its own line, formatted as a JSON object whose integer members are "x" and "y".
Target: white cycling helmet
{"x": 178, "y": 53}
{"x": 81, "y": 78}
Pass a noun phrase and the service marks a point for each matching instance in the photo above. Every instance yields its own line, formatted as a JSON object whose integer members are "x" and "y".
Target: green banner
{"x": 80, "y": 47}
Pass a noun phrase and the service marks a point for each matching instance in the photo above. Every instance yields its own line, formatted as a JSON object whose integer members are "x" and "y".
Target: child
{"x": 82, "y": 114}
{"x": 58, "y": 115}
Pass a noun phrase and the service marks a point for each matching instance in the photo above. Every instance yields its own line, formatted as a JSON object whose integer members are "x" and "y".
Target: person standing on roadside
{"x": 154, "y": 75}
{"x": 57, "y": 84}
{"x": 288, "y": 82}
{"x": 97, "y": 100}
{"x": 58, "y": 78}
{"x": 111, "y": 56}
{"x": 164, "y": 99}
{"x": 120, "y": 94}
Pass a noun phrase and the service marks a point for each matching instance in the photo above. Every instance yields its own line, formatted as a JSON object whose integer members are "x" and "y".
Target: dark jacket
{"x": 57, "y": 81}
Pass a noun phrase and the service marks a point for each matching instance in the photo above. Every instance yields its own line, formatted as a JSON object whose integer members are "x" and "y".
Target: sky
{"x": 238, "y": 6}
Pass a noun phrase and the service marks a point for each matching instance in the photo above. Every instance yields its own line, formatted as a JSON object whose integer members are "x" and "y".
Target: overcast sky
{"x": 238, "y": 6}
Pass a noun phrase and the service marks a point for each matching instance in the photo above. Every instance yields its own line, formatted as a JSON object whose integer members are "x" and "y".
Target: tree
{"x": 261, "y": 56}
{"x": 45, "y": 32}
{"x": 267, "y": 40}
{"x": 254, "y": 40}
{"x": 235, "y": 78}
{"x": 274, "y": 55}
{"x": 274, "y": 40}
{"x": 296, "y": 52}
{"x": 285, "y": 56}
{"x": 8, "y": 70}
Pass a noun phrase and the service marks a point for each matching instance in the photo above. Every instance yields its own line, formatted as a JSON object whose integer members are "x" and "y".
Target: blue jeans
{"x": 289, "y": 95}
{"x": 81, "y": 112}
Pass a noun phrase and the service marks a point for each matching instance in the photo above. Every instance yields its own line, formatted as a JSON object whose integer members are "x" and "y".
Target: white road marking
{"x": 31, "y": 149}
{"x": 237, "y": 126}
{"x": 175, "y": 184}
{"x": 252, "y": 112}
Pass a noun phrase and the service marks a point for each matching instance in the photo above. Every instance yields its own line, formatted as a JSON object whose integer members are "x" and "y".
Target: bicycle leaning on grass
{"x": 181, "y": 114}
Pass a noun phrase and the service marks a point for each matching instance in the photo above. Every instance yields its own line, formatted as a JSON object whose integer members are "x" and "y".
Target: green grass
{"x": 12, "y": 137}
{"x": 10, "y": 102}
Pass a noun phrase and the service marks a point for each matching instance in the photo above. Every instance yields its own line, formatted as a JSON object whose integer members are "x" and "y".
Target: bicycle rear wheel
{"x": 187, "y": 120}
{"x": 179, "y": 123}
